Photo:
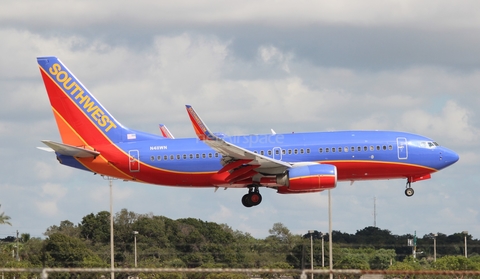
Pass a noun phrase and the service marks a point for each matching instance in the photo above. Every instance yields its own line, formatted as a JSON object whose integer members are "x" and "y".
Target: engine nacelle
{"x": 305, "y": 179}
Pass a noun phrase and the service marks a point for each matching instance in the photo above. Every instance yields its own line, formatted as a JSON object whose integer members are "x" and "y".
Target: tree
{"x": 66, "y": 227}
{"x": 4, "y": 218}
{"x": 96, "y": 228}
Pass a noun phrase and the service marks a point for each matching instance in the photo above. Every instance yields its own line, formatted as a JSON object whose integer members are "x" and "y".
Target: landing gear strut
{"x": 253, "y": 198}
{"x": 409, "y": 191}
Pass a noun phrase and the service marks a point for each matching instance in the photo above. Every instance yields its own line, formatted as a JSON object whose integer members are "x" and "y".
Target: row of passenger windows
{"x": 353, "y": 149}
{"x": 277, "y": 152}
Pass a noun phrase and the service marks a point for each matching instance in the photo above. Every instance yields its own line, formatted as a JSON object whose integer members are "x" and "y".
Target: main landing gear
{"x": 253, "y": 198}
{"x": 409, "y": 191}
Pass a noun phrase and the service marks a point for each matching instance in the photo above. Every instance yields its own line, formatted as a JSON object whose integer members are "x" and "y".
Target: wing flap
{"x": 70, "y": 150}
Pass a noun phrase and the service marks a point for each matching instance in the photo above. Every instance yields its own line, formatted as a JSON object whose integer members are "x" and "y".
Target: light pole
{"x": 435, "y": 247}
{"x": 465, "y": 233}
{"x": 311, "y": 250}
{"x": 135, "y": 244}
{"x": 323, "y": 250}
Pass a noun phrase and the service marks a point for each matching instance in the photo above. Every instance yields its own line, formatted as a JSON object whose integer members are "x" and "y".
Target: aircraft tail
{"x": 80, "y": 118}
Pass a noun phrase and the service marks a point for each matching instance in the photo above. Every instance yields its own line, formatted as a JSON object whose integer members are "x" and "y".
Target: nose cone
{"x": 448, "y": 157}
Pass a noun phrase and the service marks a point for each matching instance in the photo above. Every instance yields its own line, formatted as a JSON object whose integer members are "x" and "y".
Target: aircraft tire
{"x": 409, "y": 192}
{"x": 246, "y": 200}
{"x": 255, "y": 198}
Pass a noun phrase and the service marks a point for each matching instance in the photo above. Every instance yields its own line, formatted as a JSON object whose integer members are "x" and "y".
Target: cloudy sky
{"x": 247, "y": 67}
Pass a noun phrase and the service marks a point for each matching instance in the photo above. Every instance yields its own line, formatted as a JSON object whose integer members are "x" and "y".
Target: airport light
{"x": 465, "y": 233}
{"x": 435, "y": 247}
{"x": 311, "y": 250}
{"x": 135, "y": 244}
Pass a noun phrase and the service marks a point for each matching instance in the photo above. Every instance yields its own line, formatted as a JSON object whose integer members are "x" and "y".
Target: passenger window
{"x": 197, "y": 156}
{"x": 327, "y": 150}
{"x": 210, "y": 155}
{"x": 216, "y": 154}
{"x": 261, "y": 152}
{"x": 152, "y": 158}
{"x": 333, "y": 149}
{"x": 365, "y": 148}
{"x": 384, "y": 147}
{"x": 308, "y": 150}
{"x": 284, "y": 151}
{"x": 346, "y": 149}
{"x": 320, "y": 150}
{"x": 269, "y": 152}
{"x": 295, "y": 151}
{"x": 390, "y": 147}
{"x": 165, "y": 157}
{"x": 378, "y": 147}
{"x": 301, "y": 150}
{"x": 353, "y": 149}
{"x": 277, "y": 152}
{"x": 184, "y": 156}
{"x": 339, "y": 149}
{"x": 191, "y": 156}
{"x": 172, "y": 157}
{"x": 289, "y": 151}
{"x": 371, "y": 148}
{"x": 178, "y": 156}
{"x": 204, "y": 156}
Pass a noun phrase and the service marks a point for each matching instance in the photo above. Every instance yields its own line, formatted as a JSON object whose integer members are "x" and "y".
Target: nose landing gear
{"x": 253, "y": 198}
{"x": 409, "y": 191}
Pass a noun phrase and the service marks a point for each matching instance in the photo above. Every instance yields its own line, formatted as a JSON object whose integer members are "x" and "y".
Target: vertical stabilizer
{"x": 80, "y": 118}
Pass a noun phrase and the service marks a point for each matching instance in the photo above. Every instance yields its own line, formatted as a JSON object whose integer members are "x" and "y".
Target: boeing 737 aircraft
{"x": 92, "y": 140}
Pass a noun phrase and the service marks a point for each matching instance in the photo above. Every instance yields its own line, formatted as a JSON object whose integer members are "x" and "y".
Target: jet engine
{"x": 307, "y": 179}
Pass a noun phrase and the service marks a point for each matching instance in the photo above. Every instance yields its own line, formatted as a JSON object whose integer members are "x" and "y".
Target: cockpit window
{"x": 427, "y": 144}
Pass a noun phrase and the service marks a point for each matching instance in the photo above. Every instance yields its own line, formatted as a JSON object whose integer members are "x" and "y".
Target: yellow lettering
{"x": 65, "y": 76}
{"x": 89, "y": 105}
{"x": 54, "y": 69}
{"x": 97, "y": 113}
{"x": 103, "y": 120}
{"x": 68, "y": 87}
{"x": 80, "y": 95}
{"x": 110, "y": 126}
{"x": 76, "y": 89}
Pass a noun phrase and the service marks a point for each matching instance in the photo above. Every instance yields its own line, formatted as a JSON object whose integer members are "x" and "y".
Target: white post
{"x": 135, "y": 243}
{"x": 112, "y": 263}
{"x": 311, "y": 252}
{"x": 330, "y": 234}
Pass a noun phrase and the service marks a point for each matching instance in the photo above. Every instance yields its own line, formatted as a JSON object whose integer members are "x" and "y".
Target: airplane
{"x": 292, "y": 163}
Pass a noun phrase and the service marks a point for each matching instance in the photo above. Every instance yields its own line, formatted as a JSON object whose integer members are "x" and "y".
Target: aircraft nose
{"x": 448, "y": 157}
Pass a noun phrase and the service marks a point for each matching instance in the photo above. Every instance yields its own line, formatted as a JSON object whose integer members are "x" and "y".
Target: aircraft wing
{"x": 70, "y": 150}
{"x": 233, "y": 153}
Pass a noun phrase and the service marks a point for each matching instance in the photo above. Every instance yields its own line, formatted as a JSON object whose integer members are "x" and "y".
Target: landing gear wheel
{"x": 253, "y": 198}
{"x": 409, "y": 192}
{"x": 246, "y": 201}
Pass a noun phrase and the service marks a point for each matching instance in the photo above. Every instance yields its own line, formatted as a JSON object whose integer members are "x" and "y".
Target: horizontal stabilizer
{"x": 70, "y": 150}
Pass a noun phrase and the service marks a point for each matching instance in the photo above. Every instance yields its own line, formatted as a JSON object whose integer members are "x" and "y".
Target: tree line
{"x": 193, "y": 243}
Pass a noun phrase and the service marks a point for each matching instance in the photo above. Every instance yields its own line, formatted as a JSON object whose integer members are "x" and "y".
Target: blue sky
{"x": 247, "y": 67}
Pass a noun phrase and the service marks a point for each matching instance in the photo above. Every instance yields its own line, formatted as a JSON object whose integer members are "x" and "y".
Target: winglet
{"x": 200, "y": 128}
{"x": 165, "y": 132}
